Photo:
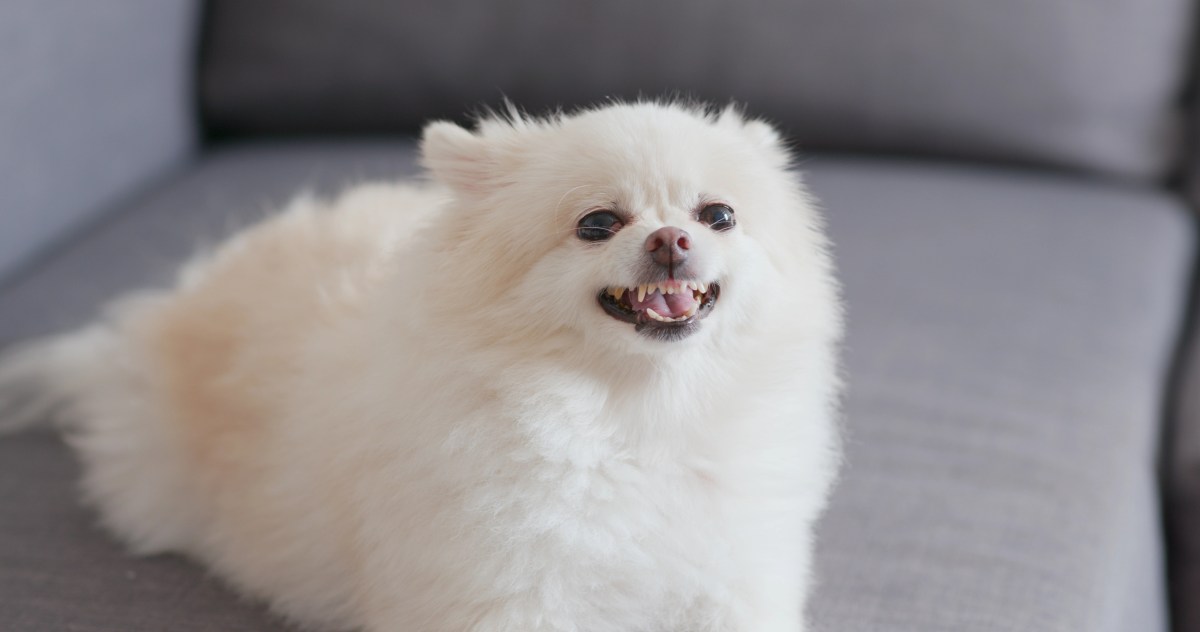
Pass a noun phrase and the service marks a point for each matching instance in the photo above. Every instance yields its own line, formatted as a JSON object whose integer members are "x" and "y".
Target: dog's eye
{"x": 598, "y": 226}
{"x": 719, "y": 217}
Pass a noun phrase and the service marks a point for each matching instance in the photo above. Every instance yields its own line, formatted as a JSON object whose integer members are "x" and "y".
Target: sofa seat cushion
{"x": 1009, "y": 345}
{"x": 1008, "y": 339}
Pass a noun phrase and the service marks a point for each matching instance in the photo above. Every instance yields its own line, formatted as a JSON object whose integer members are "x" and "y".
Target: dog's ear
{"x": 477, "y": 162}
{"x": 471, "y": 162}
{"x": 455, "y": 156}
{"x": 761, "y": 133}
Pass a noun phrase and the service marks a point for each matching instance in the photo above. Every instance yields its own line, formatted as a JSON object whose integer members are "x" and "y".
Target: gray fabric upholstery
{"x": 96, "y": 100}
{"x": 1182, "y": 488}
{"x": 1008, "y": 344}
{"x": 59, "y": 572}
{"x": 1089, "y": 85}
{"x": 1008, "y": 338}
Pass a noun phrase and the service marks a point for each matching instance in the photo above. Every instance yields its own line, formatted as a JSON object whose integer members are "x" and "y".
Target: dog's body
{"x": 405, "y": 411}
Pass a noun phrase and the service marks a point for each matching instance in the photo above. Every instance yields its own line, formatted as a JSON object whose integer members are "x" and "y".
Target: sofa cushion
{"x": 59, "y": 572}
{"x": 1087, "y": 85}
{"x": 1008, "y": 338}
{"x": 96, "y": 102}
{"x": 1009, "y": 343}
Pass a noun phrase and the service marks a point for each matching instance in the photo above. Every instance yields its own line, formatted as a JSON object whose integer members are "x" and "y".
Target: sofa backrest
{"x": 1080, "y": 84}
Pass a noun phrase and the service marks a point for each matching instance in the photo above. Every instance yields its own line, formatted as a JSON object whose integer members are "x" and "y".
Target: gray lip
{"x": 659, "y": 330}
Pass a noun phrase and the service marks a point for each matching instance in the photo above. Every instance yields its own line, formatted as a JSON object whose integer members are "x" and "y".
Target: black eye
{"x": 719, "y": 217}
{"x": 598, "y": 226}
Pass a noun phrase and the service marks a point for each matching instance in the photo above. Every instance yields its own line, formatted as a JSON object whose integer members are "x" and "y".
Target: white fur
{"x": 403, "y": 410}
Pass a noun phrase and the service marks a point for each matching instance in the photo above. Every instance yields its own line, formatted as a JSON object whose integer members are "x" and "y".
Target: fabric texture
{"x": 96, "y": 101}
{"x": 1008, "y": 339}
{"x": 1182, "y": 487}
{"x": 59, "y": 571}
{"x": 1083, "y": 85}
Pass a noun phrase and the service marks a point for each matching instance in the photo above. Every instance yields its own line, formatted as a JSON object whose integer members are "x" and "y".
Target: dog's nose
{"x": 669, "y": 246}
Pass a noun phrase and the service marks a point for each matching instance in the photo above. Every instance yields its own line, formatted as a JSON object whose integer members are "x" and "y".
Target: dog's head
{"x": 637, "y": 227}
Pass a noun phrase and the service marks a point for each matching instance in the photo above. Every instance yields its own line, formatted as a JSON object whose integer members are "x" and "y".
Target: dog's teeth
{"x": 704, "y": 288}
{"x": 668, "y": 289}
{"x": 690, "y": 312}
{"x": 617, "y": 292}
{"x": 653, "y": 314}
{"x": 641, "y": 293}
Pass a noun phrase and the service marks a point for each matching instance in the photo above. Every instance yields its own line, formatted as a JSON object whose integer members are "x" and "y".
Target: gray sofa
{"x": 1007, "y": 183}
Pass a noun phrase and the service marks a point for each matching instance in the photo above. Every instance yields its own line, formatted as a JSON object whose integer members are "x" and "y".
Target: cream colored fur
{"x": 403, "y": 410}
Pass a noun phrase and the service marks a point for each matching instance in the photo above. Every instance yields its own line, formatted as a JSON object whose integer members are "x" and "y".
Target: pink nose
{"x": 669, "y": 246}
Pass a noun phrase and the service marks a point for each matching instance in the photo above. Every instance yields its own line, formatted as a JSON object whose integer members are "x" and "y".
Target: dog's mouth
{"x": 668, "y": 310}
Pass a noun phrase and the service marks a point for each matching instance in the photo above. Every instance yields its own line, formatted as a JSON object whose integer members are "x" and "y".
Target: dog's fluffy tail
{"x": 38, "y": 378}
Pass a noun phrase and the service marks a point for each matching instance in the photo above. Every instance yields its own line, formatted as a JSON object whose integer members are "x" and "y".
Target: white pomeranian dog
{"x": 586, "y": 380}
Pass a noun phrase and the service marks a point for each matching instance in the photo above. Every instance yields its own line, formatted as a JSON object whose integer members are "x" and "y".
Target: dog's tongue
{"x": 669, "y": 305}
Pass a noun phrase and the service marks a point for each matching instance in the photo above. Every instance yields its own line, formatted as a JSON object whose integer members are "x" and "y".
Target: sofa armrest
{"x": 96, "y": 101}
